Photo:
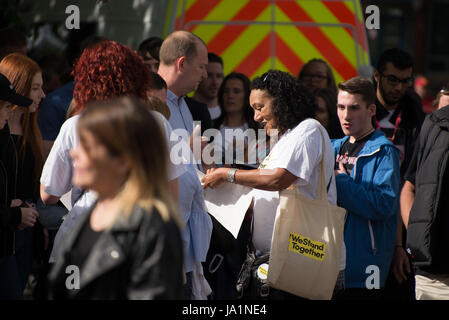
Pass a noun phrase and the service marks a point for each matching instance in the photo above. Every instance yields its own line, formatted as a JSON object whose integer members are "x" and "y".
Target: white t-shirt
{"x": 226, "y": 145}
{"x": 299, "y": 152}
{"x": 385, "y": 122}
{"x": 215, "y": 112}
{"x": 57, "y": 175}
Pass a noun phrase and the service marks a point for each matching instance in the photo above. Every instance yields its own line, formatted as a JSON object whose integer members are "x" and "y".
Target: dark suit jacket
{"x": 199, "y": 112}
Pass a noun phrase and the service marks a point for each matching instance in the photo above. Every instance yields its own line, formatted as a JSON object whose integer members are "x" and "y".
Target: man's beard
{"x": 388, "y": 101}
{"x": 208, "y": 94}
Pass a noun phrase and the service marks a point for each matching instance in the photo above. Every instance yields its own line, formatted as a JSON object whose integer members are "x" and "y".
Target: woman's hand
{"x": 29, "y": 217}
{"x": 214, "y": 177}
{"x": 16, "y": 203}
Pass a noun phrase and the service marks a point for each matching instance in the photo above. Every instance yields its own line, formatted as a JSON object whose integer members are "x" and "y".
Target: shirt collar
{"x": 173, "y": 97}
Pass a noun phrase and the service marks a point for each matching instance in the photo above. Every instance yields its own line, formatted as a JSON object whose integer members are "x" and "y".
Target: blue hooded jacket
{"x": 370, "y": 196}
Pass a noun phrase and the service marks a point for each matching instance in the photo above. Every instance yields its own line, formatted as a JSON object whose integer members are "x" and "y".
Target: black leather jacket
{"x": 9, "y": 217}
{"x": 138, "y": 258}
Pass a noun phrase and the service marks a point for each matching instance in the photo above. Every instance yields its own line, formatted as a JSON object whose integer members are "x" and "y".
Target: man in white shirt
{"x": 183, "y": 66}
{"x": 183, "y": 62}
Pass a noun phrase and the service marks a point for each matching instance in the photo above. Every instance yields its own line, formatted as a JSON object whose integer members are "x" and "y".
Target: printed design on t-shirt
{"x": 346, "y": 159}
{"x": 265, "y": 161}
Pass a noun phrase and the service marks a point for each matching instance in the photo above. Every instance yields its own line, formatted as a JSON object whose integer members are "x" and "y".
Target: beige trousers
{"x": 432, "y": 287}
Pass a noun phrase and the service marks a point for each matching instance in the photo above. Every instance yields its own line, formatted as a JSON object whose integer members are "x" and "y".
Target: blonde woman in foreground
{"x": 127, "y": 246}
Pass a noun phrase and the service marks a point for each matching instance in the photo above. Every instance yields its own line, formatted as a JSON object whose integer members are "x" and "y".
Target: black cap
{"x": 7, "y": 93}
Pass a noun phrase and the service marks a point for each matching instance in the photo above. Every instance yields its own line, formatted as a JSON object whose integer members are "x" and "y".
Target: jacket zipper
{"x": 370, "y": 227}
{"x": 371, "y": 233}
{"x": 6, "y": 204}
{"x": 15, "y": 188}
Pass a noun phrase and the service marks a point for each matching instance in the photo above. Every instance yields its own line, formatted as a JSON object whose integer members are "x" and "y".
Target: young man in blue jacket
{"x": 368, "y": 185}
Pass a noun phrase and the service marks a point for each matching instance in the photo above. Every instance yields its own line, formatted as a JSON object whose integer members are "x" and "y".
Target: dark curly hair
{"x": 292, "y": 101}
{"x": 109, "y": 69}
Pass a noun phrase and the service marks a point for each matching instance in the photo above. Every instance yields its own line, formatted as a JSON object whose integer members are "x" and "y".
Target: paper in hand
{"x": 228, "y": 203}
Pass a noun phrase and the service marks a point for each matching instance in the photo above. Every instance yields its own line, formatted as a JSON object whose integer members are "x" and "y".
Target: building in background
{"x": 418, "y": 26}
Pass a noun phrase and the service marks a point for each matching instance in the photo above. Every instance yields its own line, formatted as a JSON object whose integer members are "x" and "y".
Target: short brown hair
{"x": 362, "y": 86}
{"x": 179, "y": 44}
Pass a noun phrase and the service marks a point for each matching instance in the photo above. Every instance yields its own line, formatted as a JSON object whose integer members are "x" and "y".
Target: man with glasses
{"x": 399, "y": 115}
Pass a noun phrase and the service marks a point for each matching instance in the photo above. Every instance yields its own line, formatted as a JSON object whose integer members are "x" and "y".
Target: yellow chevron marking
{"x": 246, "y": 42}
{"x": 222, "y": 12}
{"x": 338, "y": 36}
{"x": 262, "y": 69}
{"x": 299, "y": 43}
{"x": 351, "y": 7}
{"x": 188, "y": 4}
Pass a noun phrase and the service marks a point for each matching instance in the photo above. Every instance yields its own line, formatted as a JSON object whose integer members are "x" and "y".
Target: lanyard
{"x": 396, "y": 126}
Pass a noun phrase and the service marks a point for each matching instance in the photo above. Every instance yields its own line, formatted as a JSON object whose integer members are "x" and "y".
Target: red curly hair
{"x": 109, "y": 69}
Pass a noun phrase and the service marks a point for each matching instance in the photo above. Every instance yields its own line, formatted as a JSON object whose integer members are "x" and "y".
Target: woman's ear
{"x": 123, "y": 166}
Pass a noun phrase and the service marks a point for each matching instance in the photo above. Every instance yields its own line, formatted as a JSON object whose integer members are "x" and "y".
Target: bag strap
{"x": 250, "y": 245}
{"x": 322, "y": 192}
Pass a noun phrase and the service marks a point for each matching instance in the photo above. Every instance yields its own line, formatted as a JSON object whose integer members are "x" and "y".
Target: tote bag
{"x": 307, "y": 241}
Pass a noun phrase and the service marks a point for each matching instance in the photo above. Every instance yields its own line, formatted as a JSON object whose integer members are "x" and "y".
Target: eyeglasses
{"x": 310, "y": 76}
{"x": 394, "y": 81}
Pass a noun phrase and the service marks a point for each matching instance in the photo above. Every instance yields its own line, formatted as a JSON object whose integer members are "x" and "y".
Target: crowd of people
{"x": 103, "y": 172}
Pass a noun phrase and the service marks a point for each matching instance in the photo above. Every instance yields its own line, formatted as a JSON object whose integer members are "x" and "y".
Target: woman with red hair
{"x": 24, "y": 150}
{"x": 106, "y": 70}
{"x": 109, "y": 69}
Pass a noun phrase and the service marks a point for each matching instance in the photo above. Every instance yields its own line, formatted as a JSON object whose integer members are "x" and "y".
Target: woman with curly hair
{"x": 284, "y": 107}
{"x": 104, "y": 71}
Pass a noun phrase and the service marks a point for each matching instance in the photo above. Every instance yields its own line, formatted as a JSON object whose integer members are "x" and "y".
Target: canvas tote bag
{"x": 307, "y": 240}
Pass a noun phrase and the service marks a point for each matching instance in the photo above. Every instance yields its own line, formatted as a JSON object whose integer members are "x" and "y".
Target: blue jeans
{"x": 10, "y": 288}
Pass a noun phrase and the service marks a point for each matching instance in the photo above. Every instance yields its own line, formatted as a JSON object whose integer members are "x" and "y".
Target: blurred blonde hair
{"x": 71, "y": 110}
{"x": 127, "y": 129}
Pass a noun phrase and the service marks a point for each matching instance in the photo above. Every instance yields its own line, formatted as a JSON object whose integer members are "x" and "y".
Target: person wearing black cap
{"x": 10, "y": 217}
{"x": 24, "y": 159}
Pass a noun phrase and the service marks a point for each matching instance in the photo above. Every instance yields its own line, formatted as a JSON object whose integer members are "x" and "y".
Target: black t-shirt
{"x": 84, "y": 243}
{"x": 349, "y": 152}
{"x": 410, "y": 174}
